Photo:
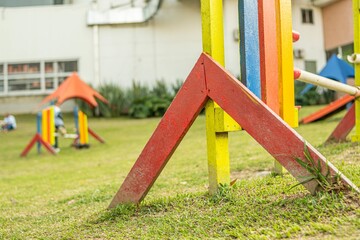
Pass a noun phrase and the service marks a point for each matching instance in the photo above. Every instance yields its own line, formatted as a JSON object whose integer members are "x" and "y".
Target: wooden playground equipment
{"x": 264, "y": 109}
{"x": 46, "y": 134}
{"x": 352, "y": 117}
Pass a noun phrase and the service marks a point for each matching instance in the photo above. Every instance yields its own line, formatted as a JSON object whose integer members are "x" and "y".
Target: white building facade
{"x": 119, "y": 41}
{"x": 108, "y": 41}
{"x": 309, "y": 53}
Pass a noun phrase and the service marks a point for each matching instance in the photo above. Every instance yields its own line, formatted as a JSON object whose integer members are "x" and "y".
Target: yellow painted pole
{"x": 288, "y": 112}
{"x": 86, "y": 131}
{"x": 356, "y": 13}
{"x": 286, "y": 63}
{"x": 44, "y": 125}
{"x": 81, "y": 128}
{"x": 218, "y": 123}
{"x": 51, "y": 126}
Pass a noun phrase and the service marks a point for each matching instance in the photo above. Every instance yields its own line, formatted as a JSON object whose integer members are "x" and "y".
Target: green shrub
{"x": 160, "y": 98}
{"x": 118, "y": 101}
{"x": 312, "y": 97}
{"x": 150, "y": 103}
{"x": 139, "y": 101}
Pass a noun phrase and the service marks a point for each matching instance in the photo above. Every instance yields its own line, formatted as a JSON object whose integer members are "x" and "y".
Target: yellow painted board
{"x": 86, "y": 132}
{"x": 44, "y": 125}
{"x": 81, "y": 127}
{"x": 286, "y": 63}
{"x": 218, "y": 153}
{"x": 213, "y": 29}
{"x": 217, "y": 143}
{"x": 356, "y": 15}
{"x": 223, "y": 122}
{"x": 51, "y": 126}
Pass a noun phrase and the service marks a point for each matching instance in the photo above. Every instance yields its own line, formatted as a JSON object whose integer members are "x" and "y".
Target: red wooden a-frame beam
{"x": 37, "y": 139}
{"x": 344, "y": 127}
{"x": 210, "y": 80}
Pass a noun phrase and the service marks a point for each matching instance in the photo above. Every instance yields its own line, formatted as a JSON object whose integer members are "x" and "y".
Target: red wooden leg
{"x": 269, "y": 130}
{"x": 37, "y": 138}
{"x": 344, "y": 127}
{"x": 208, "y": 79}
{"x": 97, "y": 137}
{"x": 172, "y": 128}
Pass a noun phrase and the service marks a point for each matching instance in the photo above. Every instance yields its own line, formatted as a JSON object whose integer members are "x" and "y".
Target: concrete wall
{"x": 165, "y": 48}
{"x": 44, "y": 33}
{"x": 338, "y": 24}
{"x": 312, "y": 38}
{"x": 47, "y": 33}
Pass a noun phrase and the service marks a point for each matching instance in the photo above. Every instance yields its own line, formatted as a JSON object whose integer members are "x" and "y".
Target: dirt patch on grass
{"x": 350, "y": 156}
{"x": 246, "y": 174}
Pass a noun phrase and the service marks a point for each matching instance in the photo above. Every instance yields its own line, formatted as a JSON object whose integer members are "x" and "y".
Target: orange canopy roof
{"x": 74, "y": 87}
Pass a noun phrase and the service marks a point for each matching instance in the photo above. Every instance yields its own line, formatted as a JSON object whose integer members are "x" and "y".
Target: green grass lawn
{"x": 66, "y": 196}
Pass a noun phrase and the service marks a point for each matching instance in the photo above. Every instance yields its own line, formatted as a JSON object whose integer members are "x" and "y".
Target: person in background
{"x": 59, "y": 125}
{"x": 9, "y": 123}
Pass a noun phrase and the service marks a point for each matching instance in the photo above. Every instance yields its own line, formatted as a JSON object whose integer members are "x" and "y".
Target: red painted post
{"x": 328, "y": 110}
{"x": 94, "y": 134}
{"x": 269, "y": 130}
{"x": 269, "y": 64}
{"x": 345, "y": 126}
{"x": 37, "y": 138}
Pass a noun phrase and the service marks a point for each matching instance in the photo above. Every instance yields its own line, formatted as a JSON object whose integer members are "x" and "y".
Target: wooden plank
{"x": 249, "y": 45}
{"x": 269, "y": 66}
{"x": 95, "y": 135}
{"x": 51, "y": 125}
{"x": 328, "y": 110}
{"x": 44, "y": 126}
{"x": 182, "y": 112}
{"x": 217, "y": 150}
{"x": 268, "y": 129}
{"x": 208, "y": 79}
{"x": 37, "y": 138}
{"x": 216, "y": 128}
{"x": 286, "y": 62}
{"x": 356, "y": 15}
{"x": 345, "y": 126}
{"x": 213, "y": 29}
{"x": 269, "y": 60}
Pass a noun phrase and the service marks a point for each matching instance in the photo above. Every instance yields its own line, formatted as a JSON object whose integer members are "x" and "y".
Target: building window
{"x": 56, "y": 72}
{"x": 27, "y": 3}
{"x": 34, "y": 76}
{"x": 23, "y": 76}
{"x": 307, "y": 16}
{"x": 68, "y": 66}
{"x": 1, "y": 78}
{"x": 310, "y": 66}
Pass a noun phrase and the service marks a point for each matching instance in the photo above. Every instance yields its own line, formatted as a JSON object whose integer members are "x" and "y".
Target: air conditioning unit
{"x": 298, "y": 53}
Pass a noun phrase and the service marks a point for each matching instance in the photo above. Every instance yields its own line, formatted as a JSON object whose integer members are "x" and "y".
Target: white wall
{"x": 47, "y": 33}
{"x": 166, "y": 47}
{"x": 312, "y": 36}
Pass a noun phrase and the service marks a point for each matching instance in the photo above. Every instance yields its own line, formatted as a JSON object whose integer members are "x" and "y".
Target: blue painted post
{"x": 38, "y": 130}
{"x": 249, "y": 45}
